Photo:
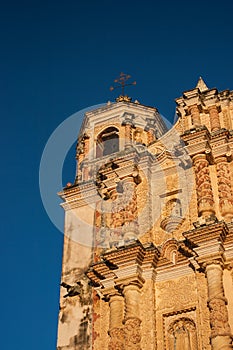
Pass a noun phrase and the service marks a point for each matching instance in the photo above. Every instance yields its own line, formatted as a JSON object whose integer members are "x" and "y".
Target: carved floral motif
{"x": 204, "y": 189}
{"x": 224, "y": 188}
{"x": 176, "y": 294}
{"x": 117, "y": 339}
{"x": 217, "y": 306}
{"x": 132, "y": 333}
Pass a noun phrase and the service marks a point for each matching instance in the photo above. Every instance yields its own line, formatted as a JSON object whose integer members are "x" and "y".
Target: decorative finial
{"x": 121, "y": 81}
{"x": 201, "y": 85}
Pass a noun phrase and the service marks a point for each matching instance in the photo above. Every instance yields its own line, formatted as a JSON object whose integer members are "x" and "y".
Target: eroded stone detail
{"x": 117, "y": 341}
{"x": 224, "y": 188}
{"x": 182, "y": 335}
{"x": 177, "y": 294}
{"x": 214, "y": 118}
{"x": 220, "y": 329}
{"x": 132, "y": 333}
{"x": 204, "y": 189}
{"x": 148, "y": 290}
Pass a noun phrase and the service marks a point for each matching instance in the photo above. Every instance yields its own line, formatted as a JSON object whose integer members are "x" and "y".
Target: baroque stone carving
{"x": 132, "y": 333}
{"x": 219, "y": 317}
{"x": 182, "y": 335}
{"x": 204, "y": 189}
{"x": 224, "y": 188}
{"x": 220, "y": 329}
{"x": 176, "y": 294}
{"x": 117, "y": 341}
{"x": 118, "y": 214}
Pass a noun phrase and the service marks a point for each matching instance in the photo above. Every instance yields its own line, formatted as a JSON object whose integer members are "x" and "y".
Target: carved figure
{"x": 137, "y": 137}
{"x": 218, "y": 317}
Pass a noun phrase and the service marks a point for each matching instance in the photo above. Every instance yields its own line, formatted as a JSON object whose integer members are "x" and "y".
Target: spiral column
{"x": 116, "y": 330}
{"x": 221, "y": 337}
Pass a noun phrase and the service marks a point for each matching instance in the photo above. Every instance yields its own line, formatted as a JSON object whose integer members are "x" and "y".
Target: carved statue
{"x": 138, "y": 136}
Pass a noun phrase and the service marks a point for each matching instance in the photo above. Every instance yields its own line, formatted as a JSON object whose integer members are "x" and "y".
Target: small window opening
{"x": 107, "y": 142}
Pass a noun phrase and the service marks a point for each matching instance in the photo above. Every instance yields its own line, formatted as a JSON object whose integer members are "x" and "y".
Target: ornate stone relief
{"x": 176, "y": 294}
{"x": 203, "y": 182}
{"x": 116, "y": 217}
{"x": 182, "y": 335}
{"x": 224, "y": 188}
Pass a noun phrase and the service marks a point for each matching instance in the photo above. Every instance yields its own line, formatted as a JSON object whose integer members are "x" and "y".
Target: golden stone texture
{"x": 148, "y": 228}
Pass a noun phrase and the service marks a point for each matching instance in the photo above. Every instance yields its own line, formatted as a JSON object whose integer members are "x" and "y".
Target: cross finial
{"x": 121, "y": 81}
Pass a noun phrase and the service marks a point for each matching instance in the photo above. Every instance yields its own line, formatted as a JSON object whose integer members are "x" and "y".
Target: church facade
{"x": 148, "y": 244}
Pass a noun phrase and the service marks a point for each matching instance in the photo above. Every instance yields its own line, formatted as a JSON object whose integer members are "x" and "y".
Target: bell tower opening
{"x": 107, "y": 142}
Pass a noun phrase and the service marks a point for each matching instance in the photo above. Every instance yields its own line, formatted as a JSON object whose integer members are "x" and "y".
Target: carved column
{"x": 132, "y": 321}
{"x": 195, "y": 115}
{"x": 128, "y": 133}
{"x": 116, "y": 330}
{"x": 221, "y": 337}
{"x": 150, "y": 135}
{"x": 214, "y": 118}
{"x": 204, "y": 189}
{"x": 150, "y": 129}
{"x": 130, "y": 214}
{"x": 224, "y": 188}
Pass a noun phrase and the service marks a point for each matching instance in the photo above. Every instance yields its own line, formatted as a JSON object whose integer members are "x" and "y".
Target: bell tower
{"x": 148, "y": 244}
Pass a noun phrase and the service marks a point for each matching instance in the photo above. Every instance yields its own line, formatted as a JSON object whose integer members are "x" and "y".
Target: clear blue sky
{"x": 57, "y": 58}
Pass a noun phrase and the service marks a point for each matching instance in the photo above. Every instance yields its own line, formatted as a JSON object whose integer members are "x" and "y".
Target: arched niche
{"x": 173, "y": 207}
{"x": 107, "y": 142}
{"x": 182, "y": 335}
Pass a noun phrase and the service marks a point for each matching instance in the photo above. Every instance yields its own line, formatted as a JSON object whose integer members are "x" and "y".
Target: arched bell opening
{"x": 107, "y": 142}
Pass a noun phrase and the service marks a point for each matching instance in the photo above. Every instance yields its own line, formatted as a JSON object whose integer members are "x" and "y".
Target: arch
{"x": 170, "y": 250}
{"x": 173, "y": 207}
{"x": 182, "y": 335}
{"x": 107, "y": 142}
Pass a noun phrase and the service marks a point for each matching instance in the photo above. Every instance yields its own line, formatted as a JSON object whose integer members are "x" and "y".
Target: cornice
{"x": 79, "y": 195}
{"x": 204, "y": 233}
